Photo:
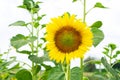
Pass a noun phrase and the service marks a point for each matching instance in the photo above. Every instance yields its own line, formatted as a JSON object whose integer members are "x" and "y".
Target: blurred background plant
{"x": 31, "y": 44}
{"x": 110, "y": 63}
{"x": 8, "y": 66}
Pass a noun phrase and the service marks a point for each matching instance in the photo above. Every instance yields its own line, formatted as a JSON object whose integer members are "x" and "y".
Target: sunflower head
{"x": 67, "y": 38}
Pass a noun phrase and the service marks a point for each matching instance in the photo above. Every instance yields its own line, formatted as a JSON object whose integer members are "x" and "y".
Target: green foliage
{"x": 74, "y": 73}
{"x": 98, "y": 77}
{"x": 99, "y": 5}
{"x": 116, "y": 54}
{"x": 30, "y": 5}
{"x": 114, "y": 74}
{"x": 97, "y": 33}
{"x": 23, "y": 75}
{"x": 39, "y": 60}
{"x": 7, "y": 72}
{"x": 44, "y": 25}
{"x": 89, "y": 65}
{"x": 98, "y": 36}
{"x": 111, "y": 52}
{"x": 74, "y": 0}
{"x": 54, "y": 73}
{"x": 18, "y": 23}
{"x": 43, "y": 39}
{"x": 32, "y": 40}
{"x": 36, "y": 59}
{"x": 97, "y": 24}
{"x": 25, "y": 52}
{"x": 112, "y": 46}
{"x": 36, "y": 69}
{"x": 36, "y": 24}
{"x": 20, "y": 40}
{"x": 41, "y": 17}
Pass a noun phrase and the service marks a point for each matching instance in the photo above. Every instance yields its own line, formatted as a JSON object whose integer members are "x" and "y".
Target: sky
{"x": 110, "y": 17}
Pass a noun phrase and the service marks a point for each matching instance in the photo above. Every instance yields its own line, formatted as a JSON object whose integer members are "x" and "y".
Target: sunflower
{"x": 67, "y": 38}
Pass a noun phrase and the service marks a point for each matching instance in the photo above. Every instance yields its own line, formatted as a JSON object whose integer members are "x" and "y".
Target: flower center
{"x": 67, "y": 39}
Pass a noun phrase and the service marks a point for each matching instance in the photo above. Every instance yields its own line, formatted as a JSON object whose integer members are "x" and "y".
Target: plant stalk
{"x": 110, "y": 61}
{"x": 37, "y": 38}
{"x": 67, "y": 72}
{"x": 84, "y": 11}
{"x": 81, "y": 68}
{"x": 32, "y": 44}
{"x": 81, "y": 59}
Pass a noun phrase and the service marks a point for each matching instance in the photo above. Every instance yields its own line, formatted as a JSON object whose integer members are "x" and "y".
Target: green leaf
{"x": 35, "y": 9}
{"x": 39, "y": 60}
{"x": 31, "y": 39}
{"x": 40, "y": 17}
{"x": 46, "y": 57}
{"x": 118, "y": 52}
{"x": 36, "y": 59}
{"x": 36, "y": 25}
{"x": 98, "y": 36}
{"x": 110, "y": 69}
{"x": 116, "y": 55}
{"x": 74, "y": 0}
{"x": 99, "y": 5}
{"x": 38, "y": 2}
{"x": 54, "y": 73}
{"x": 23, "y": 75}
{"x": 95, "y": 62}
{"x": 44, "y": 25}
{"x": 22, "y": 6}
{"x": 47, "y": 67}
{"x": 36, "y": 69}
{"x": 112, "y": 46}
{"x": 106, "y": 51}
{"x": 40, "y": 45}
{"x": 24, "y": 52}
{"x": 18, "y": 23}
{"x": 75, "y": 73}
{"x": 43, "y": 39}
{"x": 20, "y": 40}
{"x": 17, "y": 66}
{"x": 29, "y": 4}
{"x": 99, "y": 77}
{"x": 97, "y": 24}
{"x": 5, "y": 64}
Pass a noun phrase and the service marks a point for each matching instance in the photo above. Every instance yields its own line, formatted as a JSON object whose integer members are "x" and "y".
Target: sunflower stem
{"x": 81, "y": 59}
{"x": 84, "y": 11}
{"x": 81, "y": 68}
{"x": 67, "y": 72}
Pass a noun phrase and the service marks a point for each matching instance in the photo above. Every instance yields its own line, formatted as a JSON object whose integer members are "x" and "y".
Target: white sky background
{"x": 9, "y": 13}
